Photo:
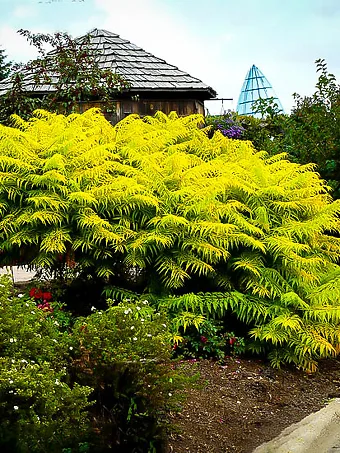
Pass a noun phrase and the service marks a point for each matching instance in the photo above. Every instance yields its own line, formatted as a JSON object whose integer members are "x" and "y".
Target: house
{"x": 154, "y": 84}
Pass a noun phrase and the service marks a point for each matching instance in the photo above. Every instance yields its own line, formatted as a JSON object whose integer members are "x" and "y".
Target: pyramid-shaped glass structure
{"x": 255, "y": 86}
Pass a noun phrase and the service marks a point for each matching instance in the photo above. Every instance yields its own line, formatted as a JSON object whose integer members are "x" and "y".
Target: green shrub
{"x": 210, "y": 339}
{"x": 266, "y": 133}
{"x": 124, "y": 354}
{"x": 104, "y": 382}
{"x": 312, "y": 132}
{"x": 28, "y": 332}
{"x": 39, "y": 410}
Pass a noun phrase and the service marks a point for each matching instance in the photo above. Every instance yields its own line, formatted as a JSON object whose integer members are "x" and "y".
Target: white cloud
{"x": 16, "y": 46}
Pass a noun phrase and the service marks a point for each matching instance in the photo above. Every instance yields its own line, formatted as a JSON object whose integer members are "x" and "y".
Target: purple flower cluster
{"x": 231, "y": 131}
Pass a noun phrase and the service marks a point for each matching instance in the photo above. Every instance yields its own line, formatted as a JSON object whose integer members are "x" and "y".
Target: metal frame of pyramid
{"x": 255, "y": 86}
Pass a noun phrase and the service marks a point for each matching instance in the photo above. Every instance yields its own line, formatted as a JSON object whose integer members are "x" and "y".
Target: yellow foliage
{"x": 159, "y": 195}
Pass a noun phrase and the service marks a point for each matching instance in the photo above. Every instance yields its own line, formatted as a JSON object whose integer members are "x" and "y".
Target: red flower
{"x": 232, "y": 340}
{"x": 175, "y": 346}
{"x": 204, "y": 339}
{"x": 36, "y": 293}
{"x": 47, "y": 296}
{"x": 32, "y": 292}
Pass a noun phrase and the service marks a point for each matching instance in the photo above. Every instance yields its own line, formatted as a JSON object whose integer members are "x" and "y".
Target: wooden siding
{"x": 144, "y": 107}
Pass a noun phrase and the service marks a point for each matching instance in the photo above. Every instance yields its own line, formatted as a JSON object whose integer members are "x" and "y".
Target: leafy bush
{"x": 28, "y": 332}
{"x": 155, "y": 205}
{"x": 104, "y": 381}
{"x": 39, "y": 410}
{"x": 312, "y": 132}
{"x": 124, "y": 354}
{"x": 267, "y": 132}
{"x": 209, "y": 340}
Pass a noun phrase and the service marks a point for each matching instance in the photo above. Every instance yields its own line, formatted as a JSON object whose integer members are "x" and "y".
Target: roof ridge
{"x": 101, "y": 30}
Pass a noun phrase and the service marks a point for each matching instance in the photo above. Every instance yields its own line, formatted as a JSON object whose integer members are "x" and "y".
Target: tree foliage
{"x": 157, "y": 202}
{"x": 70, "y": 71}
{"x": 5, "y": 67}
{"x": 313, "y": 128}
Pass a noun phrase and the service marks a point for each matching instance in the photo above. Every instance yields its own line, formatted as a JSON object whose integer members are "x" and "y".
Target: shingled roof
{"x": 144, "y": 71}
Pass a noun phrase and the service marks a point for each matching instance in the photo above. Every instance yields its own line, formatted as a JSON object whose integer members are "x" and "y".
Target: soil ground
{"x": 244, "y": 403}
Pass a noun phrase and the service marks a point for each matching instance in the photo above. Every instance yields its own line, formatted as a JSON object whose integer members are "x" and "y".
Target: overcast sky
{"x": 214, "y": 40}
